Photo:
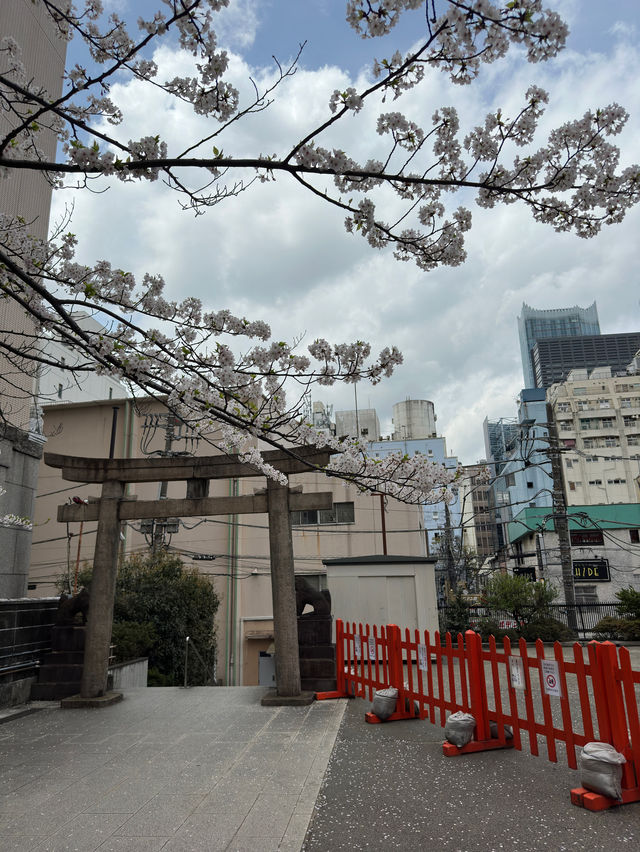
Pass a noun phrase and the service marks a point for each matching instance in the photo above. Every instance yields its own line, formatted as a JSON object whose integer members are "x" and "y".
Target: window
{"x": 589, "y": 538}
{"x": 595, "y": 482}
{"x": 604, "y": 403}
{"x": 631, "y": 419}
{"x": 611, "y": 441}
{"x": 566, "y": 425}
{"x": 579, "y": 391}
{"x": 572, "y": 486}
{"x": 341, "y": 513}
{"x": 586, "y": 594}
{"x": 316, "y": 581}
{"x": 616, "y": 481}
{"x": 529, "y": 484}
{"x": 608, "y": 422}
{"x": 563, "y": 407}
{"x": 625, "y": 402}
{"x": 634, "y": 536}
{"x": 59, "y": 391}
{"x": 509, "y": 479}
{"x": 569, "y": 462}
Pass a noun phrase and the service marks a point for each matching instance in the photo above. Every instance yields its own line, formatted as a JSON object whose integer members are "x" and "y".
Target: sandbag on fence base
{"x": 459, "y": 728}
{"x": 601, "y": 769}
{"x": 493, "y": 730}
{"x": 384, "y": 702}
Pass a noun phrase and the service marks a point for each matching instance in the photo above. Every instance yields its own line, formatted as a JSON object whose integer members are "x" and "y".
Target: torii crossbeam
{"x": 113, "y": 507}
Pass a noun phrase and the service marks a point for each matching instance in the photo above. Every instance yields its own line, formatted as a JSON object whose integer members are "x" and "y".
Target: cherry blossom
{"x": 225, "y": 374}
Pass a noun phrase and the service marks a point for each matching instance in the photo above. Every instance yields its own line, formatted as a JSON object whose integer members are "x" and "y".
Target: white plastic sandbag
{"x": 459, "y": 728}
{"x": 493, "y": 730}
{"x": 601, "y": 769}
{"x": 384, "y": 702}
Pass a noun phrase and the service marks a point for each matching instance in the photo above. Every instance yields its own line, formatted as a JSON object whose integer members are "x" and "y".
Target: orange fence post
{"x": 396, "y": 678}
{"x": 617, "y": 728}
{"x": 483, "y": 741}
{"x": 341, "y": 688}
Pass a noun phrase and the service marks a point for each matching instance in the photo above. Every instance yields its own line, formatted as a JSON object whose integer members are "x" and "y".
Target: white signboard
{"x": 516, "y": 671}
{"x": 372, "y": 647}
{"x": 365, "y": 655}
{"x": 358, "y": 647}
{"x": 551, "y": 677}
{"x": 422, "y": 658}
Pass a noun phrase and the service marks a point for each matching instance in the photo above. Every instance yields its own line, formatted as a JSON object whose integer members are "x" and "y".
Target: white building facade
{"x": 598, "y": 420}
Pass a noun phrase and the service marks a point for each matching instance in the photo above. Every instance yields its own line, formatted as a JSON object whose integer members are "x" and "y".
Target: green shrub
{"x": 629, "y": 606}
{"x": 156, "y": 678}
{"x": 457, "y": 615}
{"x": 622, "y": 629}
{"x": 630, "y": 629}
{"x": 549, "y": 630}
{"x": 607, "y": 628}
{"x": 132, "y": 639}
{"x": 523, "y": 600}
{"x": 490, "y": 627}
{"x": 158, "y": 603}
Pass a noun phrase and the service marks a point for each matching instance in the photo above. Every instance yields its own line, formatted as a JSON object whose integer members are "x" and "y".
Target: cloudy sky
{"x": 278, "y": 254}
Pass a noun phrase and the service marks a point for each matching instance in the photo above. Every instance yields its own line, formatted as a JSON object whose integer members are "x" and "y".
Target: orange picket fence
{"x": 517, "y": 696}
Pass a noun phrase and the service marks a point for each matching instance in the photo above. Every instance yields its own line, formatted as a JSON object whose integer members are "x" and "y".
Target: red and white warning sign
{"x": 551, "y": 677}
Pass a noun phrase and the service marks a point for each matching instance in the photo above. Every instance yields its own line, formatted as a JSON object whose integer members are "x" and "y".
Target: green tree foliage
{"x": 627, "y": 626}
{"x": 527, "y": 604}
{"x": 521, "y": 599}
{"x": 457, "y": 614}
{"x": 177, "y": 602}
{"x": 629, "y": 606}
{"x": 158, "y": 603}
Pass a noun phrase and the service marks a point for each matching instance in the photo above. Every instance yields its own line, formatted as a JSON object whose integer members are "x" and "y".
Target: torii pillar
{"x": 112, "y": 508}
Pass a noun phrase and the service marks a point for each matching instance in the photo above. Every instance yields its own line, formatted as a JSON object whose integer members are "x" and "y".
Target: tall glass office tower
{"x": 534, "y": 325}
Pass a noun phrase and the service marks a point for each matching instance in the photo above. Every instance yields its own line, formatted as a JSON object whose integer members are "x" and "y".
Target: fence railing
{"x": 516, "y": 695}
{"x": 25, "y": 631}
{"x": 581, "y": 617}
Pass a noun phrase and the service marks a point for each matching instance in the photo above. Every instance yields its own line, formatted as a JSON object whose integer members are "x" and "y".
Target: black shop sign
{"x": 591, "y": 571}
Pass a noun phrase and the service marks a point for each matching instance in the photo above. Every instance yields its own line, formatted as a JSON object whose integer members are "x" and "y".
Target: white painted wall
{"x": 402, "y": 593}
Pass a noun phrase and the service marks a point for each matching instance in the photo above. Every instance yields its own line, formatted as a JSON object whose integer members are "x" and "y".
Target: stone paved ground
{"x": 389, "y": 787}
{"x": 171, "y": 769}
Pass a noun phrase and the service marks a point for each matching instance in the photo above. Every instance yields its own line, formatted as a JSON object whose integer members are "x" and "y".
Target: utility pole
{"x": 560, "y": 518}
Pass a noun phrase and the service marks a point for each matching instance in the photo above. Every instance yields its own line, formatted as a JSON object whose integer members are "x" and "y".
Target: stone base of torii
{"x": 113, "y": 507}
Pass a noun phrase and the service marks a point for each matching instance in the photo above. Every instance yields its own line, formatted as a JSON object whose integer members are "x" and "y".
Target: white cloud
{"x": 280, "y": 254}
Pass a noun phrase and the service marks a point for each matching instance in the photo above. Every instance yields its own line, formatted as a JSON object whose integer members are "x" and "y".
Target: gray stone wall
{"x": 25, "y": 634}
{"x": 20, "y": 455}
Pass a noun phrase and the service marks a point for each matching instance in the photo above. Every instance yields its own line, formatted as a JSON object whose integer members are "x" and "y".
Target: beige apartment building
{"x": 598, "y": 418}
{"x": 26, "y": 194}
{"x": 232, "y": 550}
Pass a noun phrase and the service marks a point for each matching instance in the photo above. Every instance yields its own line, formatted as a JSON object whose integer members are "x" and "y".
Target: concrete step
{"x": 50, "y": 673}
{"x": 53, "y": 691}
{"x": 319, "y": 684}
{"x": 317, "y": 668}
{"x": 314, "y": 651}
{"x": 67, "y": 638}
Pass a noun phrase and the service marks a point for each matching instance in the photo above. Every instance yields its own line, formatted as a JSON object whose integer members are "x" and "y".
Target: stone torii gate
{"x": 113, "y": 507}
